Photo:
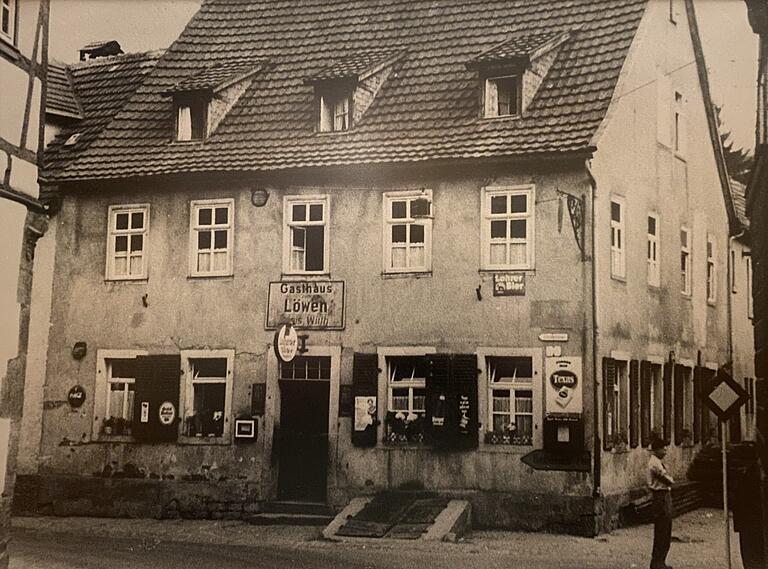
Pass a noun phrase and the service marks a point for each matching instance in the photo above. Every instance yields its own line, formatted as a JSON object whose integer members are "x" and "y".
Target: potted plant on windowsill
{"x": 502, "y": 436}
{"x": 402, "y": 427}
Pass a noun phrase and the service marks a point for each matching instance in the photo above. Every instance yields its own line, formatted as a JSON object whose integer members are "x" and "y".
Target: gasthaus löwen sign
{"x": 307, "y": 305}
{"x": 563, "y": 385}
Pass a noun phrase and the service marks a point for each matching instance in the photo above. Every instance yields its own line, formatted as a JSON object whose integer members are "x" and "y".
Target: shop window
{"x": 511, "y": 392}
{"x": 305, "y": 238}
{"x": 507, "y": 231}
{"x": 502, "y": 96}
{"x": 306, "y": 368}
{"x": 685, "y": 261}
{"x": 616, "y": 403}
{"x": 211, "y": 237}
{"x": 654, "y": 266}
{"x": 618, "y": 245}
{"x": 406, "y": 398}
{"x": 407, "y": 231}
{"x": 8, "y": 20}
{"x": 208, "y": 392}
{"x": 711, "y": 271}
{"x": 127, "y": 242}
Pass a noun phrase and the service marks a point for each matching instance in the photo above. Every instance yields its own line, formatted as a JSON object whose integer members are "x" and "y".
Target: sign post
{"x": 725, "y": 400}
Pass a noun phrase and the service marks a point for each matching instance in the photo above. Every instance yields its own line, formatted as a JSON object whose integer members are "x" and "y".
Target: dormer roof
{"x": 218, "y": 76}
{"x": 520, "y": 48}
{"x": 356, "y": 66}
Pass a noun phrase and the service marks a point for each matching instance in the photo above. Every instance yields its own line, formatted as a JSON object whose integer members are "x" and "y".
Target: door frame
{"x": 270, "y": 474}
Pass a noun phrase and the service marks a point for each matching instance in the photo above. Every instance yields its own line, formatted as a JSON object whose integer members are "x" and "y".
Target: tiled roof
{"x": 739, "y": 198}
{"x": 102, "y": 87}
{"x": 519, "y": 46}
{"x": 60, "y": 97}
{"x": 427, "y": 108}
{"x": 218, "y": 74}
{"x": 352, "y": 66}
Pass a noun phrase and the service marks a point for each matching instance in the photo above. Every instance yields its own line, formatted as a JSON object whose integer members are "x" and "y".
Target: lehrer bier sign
{"x": 307, "y": 305}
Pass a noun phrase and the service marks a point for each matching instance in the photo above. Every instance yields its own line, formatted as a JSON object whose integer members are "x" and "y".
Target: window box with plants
{"x": 508, "y": 435}
{"x": 404, "y": 428}
{"x": 116, "y": 426}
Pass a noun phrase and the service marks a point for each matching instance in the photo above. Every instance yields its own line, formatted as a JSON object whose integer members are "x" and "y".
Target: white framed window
{"x": 680, "y": 125}
{"x": 685, "y": 261}
{"x": 750, "y": 309}
{"x": 502, "y": 96}
{"x": 306, "y": 235}
{"x": 114, "y": 392}
{"x": 507, "y": 233}
{"x": 407, "y": 231}
{"x": 207, "y": 392}
{"x": 513, "y": 396}
{"x": 335, "y": 111}
{"x": 711, "y": 271}
{"x": 654, "y": 266}
{"x": 211, "y": 237}
{"x": 191, "y": 119}
{"x": 618, "y": 238}
{"x": 127, "y": 233}
{"x": 8, "y": 20}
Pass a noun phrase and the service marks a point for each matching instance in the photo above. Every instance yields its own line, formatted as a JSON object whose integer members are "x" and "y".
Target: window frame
{"x": 486, "y": 217}
{"x": 288, "y": 202}
{"x": 113, "y": 233}
{"x": 618, "y": 259}
{"x": 485, "y": 395}
{"x": 195, "y": 104}
{"x": 195, "y": 228}
{"x": 388, "y": 222}
{"x": 619, "y": 423}
{"x": 328, "y": 100}
{"x": 711, "y": 274}
{"x": 679, "y": 124}
{"x": 685, "y": 249}
{"x": 654, "y": 245}
{"x": 10, "y": 35}
{"x": 491, "y": 113}
{"x": 101, "y": 389}
{"x": 187, "y": 395}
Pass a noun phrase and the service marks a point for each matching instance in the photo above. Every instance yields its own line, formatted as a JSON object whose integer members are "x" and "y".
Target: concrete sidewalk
{"x": 697, "y": 542}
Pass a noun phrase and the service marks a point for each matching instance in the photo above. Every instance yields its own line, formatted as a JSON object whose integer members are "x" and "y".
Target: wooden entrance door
{"x": 303, "y": 450}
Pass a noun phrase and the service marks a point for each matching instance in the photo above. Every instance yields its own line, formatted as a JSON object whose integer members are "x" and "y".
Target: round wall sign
{"x": 167, "y": 413}
{"x": 286, "y": 343}
{"x": 76, "y": 396}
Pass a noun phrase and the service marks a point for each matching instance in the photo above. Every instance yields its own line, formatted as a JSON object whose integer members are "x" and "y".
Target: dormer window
{"x": 191, "y": 119}
{"x": 345, "y": 89}
{"x": 502, "y": 96}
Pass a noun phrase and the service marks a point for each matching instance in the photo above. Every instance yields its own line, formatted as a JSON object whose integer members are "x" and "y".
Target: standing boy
{"x": 660, "y": 483}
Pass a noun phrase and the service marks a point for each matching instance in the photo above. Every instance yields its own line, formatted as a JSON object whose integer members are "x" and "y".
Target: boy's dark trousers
{"x": 662, "y": 528}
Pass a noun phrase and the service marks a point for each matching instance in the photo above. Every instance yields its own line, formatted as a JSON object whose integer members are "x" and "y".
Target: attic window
{"x": 335, "y": 111}
{"x": 502, "y": 96}
{"x": 191, "y": 119}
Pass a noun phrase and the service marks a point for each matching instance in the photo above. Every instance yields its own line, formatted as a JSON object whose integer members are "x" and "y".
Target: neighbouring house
{"x": 328, "y": 249}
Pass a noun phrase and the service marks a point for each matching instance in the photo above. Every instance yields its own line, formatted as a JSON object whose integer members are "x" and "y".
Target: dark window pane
{"x": 299, "y": 212}
{"x": 222, "y": 215}
{"x": 498, "y": 229}
{"x": 316, "y": 212}
{"x": 209, "y": 408}
{"x": 6, "y": 21}
{"x": 204, "y": 240}
{"x": 137, "y": 220}
{"x": 399, "y": 210}
{"x": 298, "y": 237}
{"x": 417, "y": 234}
{"x": 403, "y": 368}
{"x": 315, "y": 248}
{"x": 505, "y": 369}
{"x": 398, "y": 233}
{"x": 517, "y": 228}
{"x": 499, "y": 204}
{"x": 220, "y": 240}
{"x": 684, "y": 238}
{"x": 519, "y": 204}
{"x": 121, "y": 221}
{"x": 137, "y": 242}
{"x": 507, "y": 95}
{"x": 652, "y": 225}
{"x": 197, "y": 112}
{"x": 204, "y": 216}
{"x": 209, "y": 367}
{"x": 121, "y": 243}
{"x": 615, "y": 211}
{"x": 123, "y": 368}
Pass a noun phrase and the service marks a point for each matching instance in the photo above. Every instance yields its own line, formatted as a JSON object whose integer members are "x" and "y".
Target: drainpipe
{"x": 597, "y": 446}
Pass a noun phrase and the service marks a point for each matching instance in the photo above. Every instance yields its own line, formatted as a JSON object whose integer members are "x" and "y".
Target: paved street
{"x": 90, "y": 543}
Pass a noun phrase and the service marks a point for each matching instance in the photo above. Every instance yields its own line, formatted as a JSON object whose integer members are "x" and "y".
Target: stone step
{"x": 284, "y": 519}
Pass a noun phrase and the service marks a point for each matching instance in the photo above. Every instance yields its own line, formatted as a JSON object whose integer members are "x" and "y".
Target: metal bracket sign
{"x": 726, "y": 397}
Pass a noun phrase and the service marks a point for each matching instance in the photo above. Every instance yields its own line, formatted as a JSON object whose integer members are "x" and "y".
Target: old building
{"x": 23, "y": 54}
{"x": 499, "y": 231}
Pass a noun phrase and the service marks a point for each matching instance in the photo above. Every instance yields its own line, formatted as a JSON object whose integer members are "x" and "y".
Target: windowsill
{"x": 619, "y": 279}
{"x": 687, "y": 295}
{"x": 142, "y": 279}
{"x": 406, "y": 274}
{"x": 318, "y": 276}
{"x": 502, "y": 117}
{"x": 195, "y": 142}
{"x": 654, "y": 287}
{"x": 332, "y": 132}
{"x": 213, "y": 276}
{"x": 712, "y": 303}
{"x": 507, "y": 270}
{"x": 204, "y": 441}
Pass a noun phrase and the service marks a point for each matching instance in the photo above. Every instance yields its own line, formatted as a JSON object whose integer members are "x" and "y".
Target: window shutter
{"x": 634, "y": 403}
{"x": 157, "y": 385}
{"x": 609, "y": 381}
{"x": 365, "y": 383}
{"x": 440, "y": 401}
{"x": 668, "y": 369}
{"x": 464, "y": 372}
{"x": 697, "y": 380}
{"x": 645, "y": 403}
{"x": 679, "y": 403}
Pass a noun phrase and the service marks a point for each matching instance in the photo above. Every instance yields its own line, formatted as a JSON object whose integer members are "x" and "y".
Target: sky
{"x": 140, "y": 25}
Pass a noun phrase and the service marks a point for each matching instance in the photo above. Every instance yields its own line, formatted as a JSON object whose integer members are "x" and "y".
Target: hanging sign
{"x": 509, "y": 284}
{"x": 308, "y": 305}
{"x": 286, "y": 343}
{"x": 564, "y": 385}
{"x": 167, "y": 412}
{"x": 76, "y": 397}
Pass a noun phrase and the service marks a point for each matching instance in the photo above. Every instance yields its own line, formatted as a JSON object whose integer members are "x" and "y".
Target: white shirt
{"x": 658, "y": 477}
